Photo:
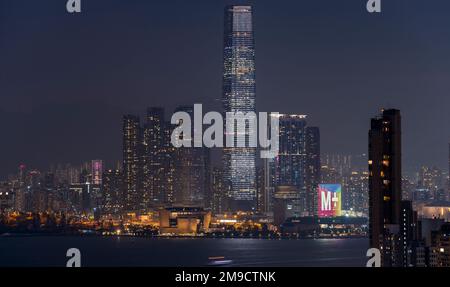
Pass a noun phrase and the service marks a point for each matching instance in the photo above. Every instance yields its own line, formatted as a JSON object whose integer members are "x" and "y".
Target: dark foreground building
{"x": 385, "y": 179}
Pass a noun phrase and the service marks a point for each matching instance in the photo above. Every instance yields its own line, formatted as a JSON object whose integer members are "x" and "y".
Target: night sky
{"x": 66, "y": 80}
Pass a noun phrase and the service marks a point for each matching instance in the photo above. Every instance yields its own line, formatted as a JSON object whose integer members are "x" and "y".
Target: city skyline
{"x": 155, "y": 172}
{"x": 225, "y": 133}
{"x": 89, "y": 114}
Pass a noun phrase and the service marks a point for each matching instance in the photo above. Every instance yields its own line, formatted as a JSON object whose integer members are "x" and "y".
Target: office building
{"x": 239, "y": 95}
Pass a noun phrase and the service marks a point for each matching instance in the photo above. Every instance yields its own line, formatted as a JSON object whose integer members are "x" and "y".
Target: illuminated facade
{"x": 239, "y": 96}
{"x": 355, "y": 192}
{"x": 312, "y": 170}
{"x": 431, "y": 184}
{"x": 112, "y": 187}
{"x": 269, "y": 185}
{"x": 291, "y": 158}
{"x": 6, "y": 196}
{"x": 184, "y": 220}
{"x": 168, "y": 159}
{"x": 192, "y": 174}
{"x": 218, "y": 186}
{"x": 132, "y": 162}
{"x": 153, "y": 158}
{"x": 97, "y": 171}
{"x": 20, "y": 192}
{"x": 290, "y": 164}
{"x": 329, "y": 200}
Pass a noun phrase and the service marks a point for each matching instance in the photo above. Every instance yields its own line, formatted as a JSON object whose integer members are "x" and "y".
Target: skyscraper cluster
{"x": 153, "y": 173}
{"x": 64, "y": 188}
{"x": 157, "y": 174}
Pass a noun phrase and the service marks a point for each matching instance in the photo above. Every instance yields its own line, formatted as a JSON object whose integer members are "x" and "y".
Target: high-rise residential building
{"x": 408, "y": 188}
{"x": 20, "y": 194}
{"x": 312, "y": 169}
{"x": 343, "y": 164}
{"x": 356, "y": 193}
{"x": 218, "y": 186}
{"x": 112, "y": 188}
{"x": 75, "y": 196}
{"x": 84, "y": 198}
{"x": 290, "y": 163}
{"x": 351, "y": 173}
{"x": 385, "y": 182}
{"x": 443, "y": 245}
{"x": 132, "y": 159}
{"x": 291, "y": 158}
{"x": 260, "y": 190}
{"x": 239, "y": 94}
{"x": 266, "y": 202}
{"x": 33, "y": 194}
{"x": 410, "y": 236}
{"x": 431, "y": 184}
{"x": 330, "y": 174}
{"x": 97, "y": 171}
{"x": 191, "y": 164}
{"x": 153, "y": 162}
{"x": 169, "y": 172}
{"x": 49, "y": 189}
{"x": 6, "y": 196}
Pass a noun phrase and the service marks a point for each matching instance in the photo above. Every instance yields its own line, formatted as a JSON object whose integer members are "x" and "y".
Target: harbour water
{"x": 181, "y": 252}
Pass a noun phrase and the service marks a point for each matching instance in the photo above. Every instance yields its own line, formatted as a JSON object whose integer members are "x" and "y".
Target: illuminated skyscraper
{"x": 269, "y": 185}
{"x": 385, "y": 183}
{"x": 20, "y": 195}
{"x": 153, "y": 158}
{"x": 218, "y": 203}
{"x": 239, "y": 96}
{"x": 132, "y": 170}
{"x": 312, "y": 169}
{"x": 191, "y": 165}
{"x": 168, "y": 161}
{"x": 291, "y": 160}
{"x": 112, "y": 191}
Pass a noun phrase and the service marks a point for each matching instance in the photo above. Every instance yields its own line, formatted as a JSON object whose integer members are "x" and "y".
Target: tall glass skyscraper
{"x": 239, "y": 96}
